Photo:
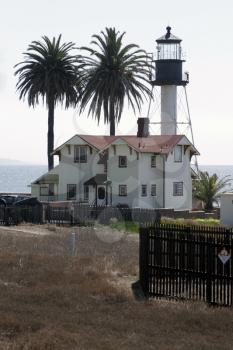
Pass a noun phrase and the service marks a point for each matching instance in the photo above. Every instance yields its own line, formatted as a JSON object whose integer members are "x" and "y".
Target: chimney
{"x": 143, "y": 127}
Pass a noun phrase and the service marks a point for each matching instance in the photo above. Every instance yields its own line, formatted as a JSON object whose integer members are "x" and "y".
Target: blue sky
{"x": 204, "y": 26}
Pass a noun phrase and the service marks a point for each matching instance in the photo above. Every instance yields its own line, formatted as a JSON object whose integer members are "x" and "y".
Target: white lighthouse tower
{"x": 169, "y": 75}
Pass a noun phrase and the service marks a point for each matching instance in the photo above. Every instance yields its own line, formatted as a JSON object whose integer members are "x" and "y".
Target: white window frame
{"x": 144, "y": 190}
{"x": 44, "y": 190}
{"x": 86, "y": 192}
{"x": 123, "y": 190}
{"x": 68, "y": 192}
{"x": 80, "y": 157}
{"x": 178, "y": 189}
{"x": 124, "y": 163}
{"x": 178, "y": 154}
{"x": 153, "y": 190}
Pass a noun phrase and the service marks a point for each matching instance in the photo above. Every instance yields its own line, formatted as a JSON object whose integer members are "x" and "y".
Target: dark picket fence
{"x": 13, "y": 215}
{"x": 87, "y": 214}
{"x": 75, "y": 215}
{"x": 182, "y": 262}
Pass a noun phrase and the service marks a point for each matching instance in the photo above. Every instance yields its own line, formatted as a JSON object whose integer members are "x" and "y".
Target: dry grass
{"x": 51, "y": 300}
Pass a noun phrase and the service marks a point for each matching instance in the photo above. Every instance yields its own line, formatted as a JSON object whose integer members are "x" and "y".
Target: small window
{"x": 71, "y": 192}
{"x": 178, "y": 154}
{"x": 80, "y": 154}
{"x": 86, "y": 192}
{"x": 153, "y": 161}
{"x": 153, "y": 190}
{"x": 122, "y": 162}
{"x": 178, "y": 188}
{"x": 122, "y": 190}
{"x": 144, "y": 191}
{"x": 44, "y": 190}
{"x": 101, "y": 193}
{"x": 51, "y": 189}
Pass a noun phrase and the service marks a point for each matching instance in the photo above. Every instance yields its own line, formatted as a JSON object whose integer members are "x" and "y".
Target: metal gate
{"x": 183, "y": 262}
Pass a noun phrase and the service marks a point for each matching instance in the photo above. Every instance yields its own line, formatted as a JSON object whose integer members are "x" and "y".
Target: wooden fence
{"x": 182, "y": 262}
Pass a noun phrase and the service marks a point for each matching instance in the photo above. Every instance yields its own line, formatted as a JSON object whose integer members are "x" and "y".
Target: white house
{"x": 148, "y": 172}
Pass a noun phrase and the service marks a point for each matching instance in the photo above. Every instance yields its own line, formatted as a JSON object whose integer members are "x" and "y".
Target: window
{"x": 178, "y": 154}
{"x": 153, "y": 190}
{"x": 47, "y": 190}
{"x": 122, "y": 162}
{"x": 153, "y": 161}
{"x": 80, "y": 154}
{"x": 86, "y": 192}
{"x": 44, "y": 190}
{"x": 122, "y": 190}
{"x": 178, "y": 188}
{"x": 144, "y": 191}
{"x": 101, "y": 193}
{"x": 51, "y": 189}
{"x": 71, "y": 192}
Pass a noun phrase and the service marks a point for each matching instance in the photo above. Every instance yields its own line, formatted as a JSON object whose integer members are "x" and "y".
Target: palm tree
{"x": 208, "y": 188}
{"x": 48, "y": 72}
{"x": 112, "y": 73}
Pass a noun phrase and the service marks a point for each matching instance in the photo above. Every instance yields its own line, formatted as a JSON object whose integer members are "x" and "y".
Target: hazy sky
{"x": 204, "y": 26}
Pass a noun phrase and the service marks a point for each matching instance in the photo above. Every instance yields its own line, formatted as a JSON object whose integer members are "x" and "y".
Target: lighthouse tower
{"x": 169, "y": 75}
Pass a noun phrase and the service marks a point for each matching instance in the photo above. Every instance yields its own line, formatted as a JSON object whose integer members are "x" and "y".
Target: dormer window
{"x": 178, "y": 154}
{"x": 153, "y": 161}
{"x": 80, "y": 154}
{"x": 122, "y": 162}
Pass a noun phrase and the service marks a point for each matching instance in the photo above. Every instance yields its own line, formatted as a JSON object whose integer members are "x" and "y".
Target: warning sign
{"x": 224, "y": 255}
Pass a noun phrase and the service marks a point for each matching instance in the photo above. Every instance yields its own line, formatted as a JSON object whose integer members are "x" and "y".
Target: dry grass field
{"x": 53, "y": 297}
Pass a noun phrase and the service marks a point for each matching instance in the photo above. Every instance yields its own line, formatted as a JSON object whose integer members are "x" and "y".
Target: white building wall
{"x": 123, "y": 176}
{"x": 138, "y": 172}
{"x": 226, "y": 209}
{"x": 78, "y": 173}
{"x": 178, "y": 172}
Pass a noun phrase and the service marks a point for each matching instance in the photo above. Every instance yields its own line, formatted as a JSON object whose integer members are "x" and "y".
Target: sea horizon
{"x": 15, "y": 178}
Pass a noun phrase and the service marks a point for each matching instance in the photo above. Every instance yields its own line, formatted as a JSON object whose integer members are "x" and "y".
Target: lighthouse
{"x": 169, "y": 75}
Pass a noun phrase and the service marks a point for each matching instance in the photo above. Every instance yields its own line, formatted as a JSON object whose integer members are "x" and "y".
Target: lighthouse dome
{"x": 168, "y": 38}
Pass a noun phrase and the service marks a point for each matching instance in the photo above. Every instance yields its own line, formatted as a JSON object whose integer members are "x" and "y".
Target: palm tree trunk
{"x": 112, "y": 119}
{"x": 50, "y": 145}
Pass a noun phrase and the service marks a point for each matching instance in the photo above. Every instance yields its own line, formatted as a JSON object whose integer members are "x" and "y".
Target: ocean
{"x": 17, "y": 178}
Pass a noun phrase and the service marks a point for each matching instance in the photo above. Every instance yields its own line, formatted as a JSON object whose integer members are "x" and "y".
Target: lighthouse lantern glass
{"x": 169, "y": 51}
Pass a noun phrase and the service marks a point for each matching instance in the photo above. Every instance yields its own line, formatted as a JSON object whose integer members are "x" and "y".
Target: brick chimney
{"x": 143, "y": 127}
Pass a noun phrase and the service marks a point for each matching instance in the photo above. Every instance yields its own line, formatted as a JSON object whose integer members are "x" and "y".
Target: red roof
{"x": 152, "y": 143}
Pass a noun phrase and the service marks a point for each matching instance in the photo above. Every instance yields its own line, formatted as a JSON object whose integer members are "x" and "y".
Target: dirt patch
{"x": 69, "y": 289}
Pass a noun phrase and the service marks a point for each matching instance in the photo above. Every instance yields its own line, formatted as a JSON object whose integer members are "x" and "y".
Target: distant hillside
{"x": 4, "y": 161}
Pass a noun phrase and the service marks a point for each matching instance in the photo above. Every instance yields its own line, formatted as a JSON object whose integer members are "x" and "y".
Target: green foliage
{"x": 112, "y": 73}
{"x": 190, "y": 222}
{"x": 208, "y": 188}
{"x": 133, "y": 227}
{"x": 129, "y": 226}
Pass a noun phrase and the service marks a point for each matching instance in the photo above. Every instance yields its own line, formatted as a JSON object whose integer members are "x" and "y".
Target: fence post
{"x": 144, "y": 259}
{"x": 209, "y": 273}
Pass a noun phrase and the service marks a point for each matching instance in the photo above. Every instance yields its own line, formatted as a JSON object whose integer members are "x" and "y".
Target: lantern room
{"x": 169, "y": 62}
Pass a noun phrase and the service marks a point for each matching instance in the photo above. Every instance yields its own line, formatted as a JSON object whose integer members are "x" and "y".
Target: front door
{"x": 101, "y": 195}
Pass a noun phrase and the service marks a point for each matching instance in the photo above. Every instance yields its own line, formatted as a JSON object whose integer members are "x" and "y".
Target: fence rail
{"x": 183, "y": 262}
{"x": 75, "y": 214}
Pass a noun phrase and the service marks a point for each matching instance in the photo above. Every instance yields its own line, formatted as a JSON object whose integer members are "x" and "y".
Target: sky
{"x": 204, "y": 26}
